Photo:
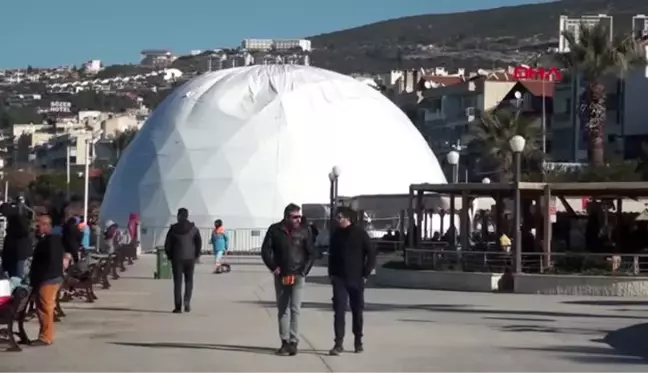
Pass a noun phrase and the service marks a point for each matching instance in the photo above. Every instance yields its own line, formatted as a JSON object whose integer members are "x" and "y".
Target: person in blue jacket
{"x": 219, "y": 242}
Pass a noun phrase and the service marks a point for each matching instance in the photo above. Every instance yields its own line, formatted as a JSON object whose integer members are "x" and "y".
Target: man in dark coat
{"x": 46, "y": 276}
{"x": 288, "y": 253}
{"x": 182, "y": 246}
{"x": 72, "y": 235}
{"x": 17, "y": 247}
{"x": 352, "y": 258}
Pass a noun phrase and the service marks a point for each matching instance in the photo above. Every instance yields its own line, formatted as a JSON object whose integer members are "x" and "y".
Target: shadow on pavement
{"x": 118, "y": 309}
{"x": 629, "y": 341}
{"x": 548, "y": 329}
{"x": 608, "y": 302}
{"x": 210, "y": 346}
{"x": 454, "y": 308}
{"x": 626, "y": 346}
{"x": 518, "y": 319}
{"x": 417, "y": 320}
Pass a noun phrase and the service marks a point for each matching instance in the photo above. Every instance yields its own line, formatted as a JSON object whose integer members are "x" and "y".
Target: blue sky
{"x": 50, "y": 33}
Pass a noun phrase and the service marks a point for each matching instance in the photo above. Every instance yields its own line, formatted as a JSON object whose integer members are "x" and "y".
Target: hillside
{"x": 470, "y": 39}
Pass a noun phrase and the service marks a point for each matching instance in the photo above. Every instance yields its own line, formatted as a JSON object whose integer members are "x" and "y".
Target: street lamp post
{"x": 68, "y": 152}
{"x": 517, "y": 144}
{"x": 333, "y": 190}
{"x": 89, "y": 141}
{"x": 453, "y": 160}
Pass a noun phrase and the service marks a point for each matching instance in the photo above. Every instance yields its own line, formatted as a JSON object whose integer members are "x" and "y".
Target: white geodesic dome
{"x": 240, "y": 144}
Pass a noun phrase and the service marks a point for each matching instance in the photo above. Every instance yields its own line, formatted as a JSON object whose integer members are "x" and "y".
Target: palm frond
{"x": 490, "y": 137}
{"x": 594, "y": 53}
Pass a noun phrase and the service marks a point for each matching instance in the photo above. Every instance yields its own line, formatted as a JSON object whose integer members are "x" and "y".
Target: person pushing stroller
{"x": 220, "y": 243}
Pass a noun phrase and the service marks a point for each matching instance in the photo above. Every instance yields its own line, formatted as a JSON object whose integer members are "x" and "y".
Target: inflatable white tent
{"x": 240, "y": 144}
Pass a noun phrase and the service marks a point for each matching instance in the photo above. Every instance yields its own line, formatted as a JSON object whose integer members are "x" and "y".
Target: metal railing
{"x": 532, "y": 262}
{"x": 241, "y": 241}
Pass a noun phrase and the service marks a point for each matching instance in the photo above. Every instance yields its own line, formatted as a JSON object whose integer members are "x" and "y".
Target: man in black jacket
{"x": 72, "y": 235}
{"x": 288, "y": 253}
{"x": 17, "y": 245}
{"x": 182, "y": 246}
{"x": 46, "y": 276}
{"x": 351, "y": 260}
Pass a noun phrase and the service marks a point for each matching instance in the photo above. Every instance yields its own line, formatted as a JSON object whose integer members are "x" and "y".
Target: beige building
{"x": 452, "y": 103}
{"x": 46, "y": 145}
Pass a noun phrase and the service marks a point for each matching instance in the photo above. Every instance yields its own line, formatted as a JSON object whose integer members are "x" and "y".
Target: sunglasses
{"x": 295, "y": 217}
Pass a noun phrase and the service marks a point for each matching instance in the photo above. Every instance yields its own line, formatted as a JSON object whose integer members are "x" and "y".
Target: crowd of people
{"x": 55, "y": 242}
{"x": 288, "y": 251}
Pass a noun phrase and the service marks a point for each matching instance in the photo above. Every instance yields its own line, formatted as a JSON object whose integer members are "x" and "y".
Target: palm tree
{"x": 490, "y": 137}
{"x": 121, "y": 141}
{"x": 592, "y": 54}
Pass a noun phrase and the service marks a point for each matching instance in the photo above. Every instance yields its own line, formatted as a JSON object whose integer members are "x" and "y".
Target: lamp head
{"x": 517, "y": 143}
{"x": 518, "y": 95}
{"x": 453, "y": 157}
{"x": 486, "y": 180}
{"x": 336, "y": 171}
{"x": 331, "y": 177}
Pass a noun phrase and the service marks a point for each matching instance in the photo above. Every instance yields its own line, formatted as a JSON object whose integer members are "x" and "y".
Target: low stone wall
{"x": 437, "y": 280}
{"x": 619, "y": 286}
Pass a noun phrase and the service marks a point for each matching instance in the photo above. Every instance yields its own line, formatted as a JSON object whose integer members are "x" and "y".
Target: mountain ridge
{"x": 471, "y": 39}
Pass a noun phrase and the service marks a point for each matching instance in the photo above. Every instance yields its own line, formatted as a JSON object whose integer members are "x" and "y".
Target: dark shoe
{"x": 39, "y": 342}
{"x": 284, "y": 350}
{"x": 187, "y": 308}
{"x": 336, "y": 350}
{"x": 359, "y": 348}
{"x": 177, "y": 310}
{"x": 292, "y": 349}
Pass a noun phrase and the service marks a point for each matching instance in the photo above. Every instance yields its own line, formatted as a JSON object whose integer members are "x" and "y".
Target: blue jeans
{"x": 15, "y": 269}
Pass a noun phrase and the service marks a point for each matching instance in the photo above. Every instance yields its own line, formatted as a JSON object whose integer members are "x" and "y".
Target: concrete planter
{"x": 437, "y": 280}
{"x": 619, "y": 286}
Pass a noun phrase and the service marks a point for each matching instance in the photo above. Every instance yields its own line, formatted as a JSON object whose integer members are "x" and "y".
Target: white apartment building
{"x": 92, "y": 66}
{"x": 573, "y": 24}
{"x": 157, "y": 58}
{"x": 278, "y": 44}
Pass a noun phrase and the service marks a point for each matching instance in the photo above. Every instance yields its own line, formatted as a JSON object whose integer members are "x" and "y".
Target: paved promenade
{"x": 233, "y": 328}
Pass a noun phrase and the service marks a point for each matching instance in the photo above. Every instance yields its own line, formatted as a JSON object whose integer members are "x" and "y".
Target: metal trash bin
{"x": 162, "y": 266}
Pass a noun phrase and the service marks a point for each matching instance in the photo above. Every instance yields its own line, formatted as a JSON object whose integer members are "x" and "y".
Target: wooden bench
{"x": 13, "y": 313}
{"x": 101, "y": 269}
{"x": 129, "y": 252}
{"x": 78, "y": 283}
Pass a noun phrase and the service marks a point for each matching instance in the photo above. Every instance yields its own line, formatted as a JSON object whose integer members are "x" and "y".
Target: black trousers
{"x": 182, "y": 269}
{"x": 347, "y": 293}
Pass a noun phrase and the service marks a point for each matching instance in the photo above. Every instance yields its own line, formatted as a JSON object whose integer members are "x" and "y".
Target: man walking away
{"x": 351, "y": 260}
{"x": 182, "y": 246}
{"x": 46, "y": 276}
{"x": 288, "y": 253}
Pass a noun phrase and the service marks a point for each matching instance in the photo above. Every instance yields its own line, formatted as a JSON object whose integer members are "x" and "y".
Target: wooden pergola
{"x": 536, "y": 191}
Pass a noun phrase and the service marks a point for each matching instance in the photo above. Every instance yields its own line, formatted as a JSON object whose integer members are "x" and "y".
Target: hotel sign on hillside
{"x": 552, "y": 74}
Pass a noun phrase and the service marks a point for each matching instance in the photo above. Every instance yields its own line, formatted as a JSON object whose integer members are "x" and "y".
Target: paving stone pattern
{"x": 233, "y": 328}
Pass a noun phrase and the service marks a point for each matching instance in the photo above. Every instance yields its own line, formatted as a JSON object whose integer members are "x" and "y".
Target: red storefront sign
{"x": 552, "y": 74}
